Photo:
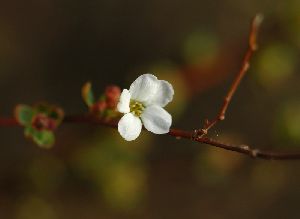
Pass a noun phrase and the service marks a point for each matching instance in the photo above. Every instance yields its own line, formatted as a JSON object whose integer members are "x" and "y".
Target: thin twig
{"x": 8, "y": 122}
{"x": 252, "y": 47}
{"x": 179, "y": 134}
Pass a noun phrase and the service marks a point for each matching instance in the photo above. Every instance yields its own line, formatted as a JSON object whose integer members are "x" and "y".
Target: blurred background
{"x": 50, "y": 48}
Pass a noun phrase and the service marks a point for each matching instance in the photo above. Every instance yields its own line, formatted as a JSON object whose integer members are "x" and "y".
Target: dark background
{"x": 50, "y": 48}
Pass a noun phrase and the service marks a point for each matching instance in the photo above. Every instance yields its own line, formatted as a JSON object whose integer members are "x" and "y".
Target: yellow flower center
{"x": 136, "y": 108}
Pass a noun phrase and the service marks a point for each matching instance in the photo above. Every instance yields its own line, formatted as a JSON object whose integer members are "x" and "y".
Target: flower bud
{"x": 99, "y": 107}
{"x": 42, "y": 122}
{"x": 112, "y": 94}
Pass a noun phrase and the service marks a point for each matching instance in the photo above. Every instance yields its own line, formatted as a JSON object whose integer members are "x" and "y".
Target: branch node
{"x": 246, "y": 66}
{"x": 245, "y": 147}
{"x": 254, "y": 153}
{"x": 195, "y": 134}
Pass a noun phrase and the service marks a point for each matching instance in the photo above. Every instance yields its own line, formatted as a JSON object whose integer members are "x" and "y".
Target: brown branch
{"x": 252, "y": 47}
{"x": 8, "y": 122}
{"x": 179, "y": 134}
{"x": 198, "y": 134}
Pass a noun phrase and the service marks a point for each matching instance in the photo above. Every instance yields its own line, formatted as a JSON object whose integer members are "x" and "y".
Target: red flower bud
{"x": 99, "y": 107}
{"x": 43, "y": 122}
{"x": 112, "y": 94}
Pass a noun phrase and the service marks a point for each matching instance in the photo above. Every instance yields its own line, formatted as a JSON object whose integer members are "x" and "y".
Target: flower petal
{"x": 164, "y": 94}
{"x": 129, "y": 127}
{"x": 123, "y": 105}
{"x": 144, "y": 88}
{"x": 156, "y": 119}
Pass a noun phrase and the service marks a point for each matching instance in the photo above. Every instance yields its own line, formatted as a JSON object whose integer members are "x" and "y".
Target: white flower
{"x": 142, "y": 104}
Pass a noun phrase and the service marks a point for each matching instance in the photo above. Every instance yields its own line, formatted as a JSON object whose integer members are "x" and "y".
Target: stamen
{"x": 136, "y": 108}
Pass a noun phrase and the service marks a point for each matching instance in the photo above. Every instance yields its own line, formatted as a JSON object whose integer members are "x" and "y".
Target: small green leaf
{"x": 87, "y": 94}
{"x": 24, "y": 114}
{"x": 29, "y": 131}
{"x": 44, "y": 139}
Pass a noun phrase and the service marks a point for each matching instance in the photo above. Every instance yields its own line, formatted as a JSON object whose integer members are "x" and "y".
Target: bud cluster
{"x": 108, "y": 101}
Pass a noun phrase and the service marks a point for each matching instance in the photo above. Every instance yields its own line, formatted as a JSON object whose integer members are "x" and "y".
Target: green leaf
{"x": 87, "y": 94}
{"x": 24, "y": 114}
{"x": 44, "y": 139}
{"x": 29, "y": 131}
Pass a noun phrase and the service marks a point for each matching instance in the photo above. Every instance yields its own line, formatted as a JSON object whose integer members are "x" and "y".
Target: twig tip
{"x": 258, "y": 19}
